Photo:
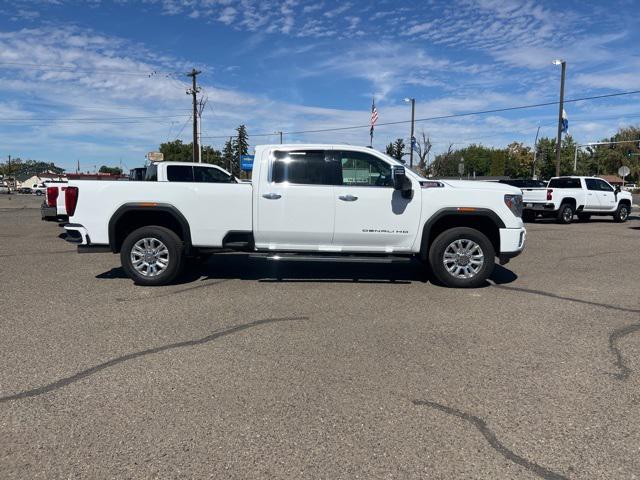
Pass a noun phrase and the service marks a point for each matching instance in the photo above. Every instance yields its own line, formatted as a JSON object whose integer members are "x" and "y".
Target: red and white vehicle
{"x": 53, "y": 206}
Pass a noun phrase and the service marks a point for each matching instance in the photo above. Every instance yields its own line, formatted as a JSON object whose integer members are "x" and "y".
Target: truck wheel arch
{"x": 131, "y": 216}
{"x": 481, "y": 219}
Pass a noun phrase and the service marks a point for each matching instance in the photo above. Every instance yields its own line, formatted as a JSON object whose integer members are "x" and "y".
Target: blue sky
{"x": 110, "y": 84}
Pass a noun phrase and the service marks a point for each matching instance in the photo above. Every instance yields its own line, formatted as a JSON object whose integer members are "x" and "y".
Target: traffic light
{"x": 629, "y": 153}
{"x": 611, "y": 144}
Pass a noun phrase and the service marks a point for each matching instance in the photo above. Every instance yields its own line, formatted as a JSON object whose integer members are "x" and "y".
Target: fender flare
{"x": 457, "y": 211}
{"x": 146, "y": 207}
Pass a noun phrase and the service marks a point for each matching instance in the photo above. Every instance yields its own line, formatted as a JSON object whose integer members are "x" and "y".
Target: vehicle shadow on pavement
{"x": 243, "y": 267}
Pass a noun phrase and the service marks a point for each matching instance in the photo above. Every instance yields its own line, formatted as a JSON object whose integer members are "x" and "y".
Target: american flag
{"x": 374, "y": 115}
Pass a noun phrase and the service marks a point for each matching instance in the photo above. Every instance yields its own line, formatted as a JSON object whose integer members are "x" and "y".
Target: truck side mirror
{"x": 401, "y": 181}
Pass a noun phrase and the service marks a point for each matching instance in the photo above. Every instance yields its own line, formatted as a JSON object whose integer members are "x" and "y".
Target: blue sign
{"x": 246, "y": 162}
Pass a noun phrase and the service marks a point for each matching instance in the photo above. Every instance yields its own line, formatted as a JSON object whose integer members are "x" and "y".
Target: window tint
{"x": 565, "y": 183}
{"x": 179, "y": 173}
{"x": 308, "y": 167}
{"x": 592, "y": 184}
{"x": 210, "y": 175}
{"x": 151, "y": 175}
{"x": 604, "y": 186}
{"x": 362, "y": 169}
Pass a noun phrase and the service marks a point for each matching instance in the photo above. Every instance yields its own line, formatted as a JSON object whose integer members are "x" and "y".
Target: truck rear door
{"x": 295, "y": 201}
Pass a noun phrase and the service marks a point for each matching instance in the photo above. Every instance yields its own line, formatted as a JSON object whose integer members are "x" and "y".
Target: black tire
{"x": 442, "y": 243}
{"x": 528, "y": 216}
{"x": 565, "y": 213}
{"x": 174, "y": 257}
{"x": 622, "y": 213}
{"x": 584, "y": 217}
{"x": 38, "y": 193}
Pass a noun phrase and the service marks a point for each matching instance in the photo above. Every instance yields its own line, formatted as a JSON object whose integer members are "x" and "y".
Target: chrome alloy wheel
{"x": 624, "y": 213}
{"x": 150, "y": 257}
{"x": 567, "y": 214}
{"x": 463, "y": 258}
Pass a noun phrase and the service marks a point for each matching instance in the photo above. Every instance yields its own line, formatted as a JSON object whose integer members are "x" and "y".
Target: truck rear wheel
{"x": 529, "y": 216}
{"x": 565, "y": 214}
{"x": 152, "y": 255}
{"x": 462, "y": 257}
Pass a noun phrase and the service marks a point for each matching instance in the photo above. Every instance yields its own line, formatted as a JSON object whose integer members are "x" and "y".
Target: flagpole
{"x": 373, "y": 107}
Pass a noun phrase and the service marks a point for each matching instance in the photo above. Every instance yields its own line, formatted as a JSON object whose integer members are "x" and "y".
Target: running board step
{"x": 294, "y": 257}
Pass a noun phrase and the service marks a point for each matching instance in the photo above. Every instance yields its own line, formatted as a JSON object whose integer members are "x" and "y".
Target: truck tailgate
{"x": 534, "y": 195}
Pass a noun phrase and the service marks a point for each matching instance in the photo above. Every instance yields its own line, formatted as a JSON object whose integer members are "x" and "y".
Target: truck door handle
{"x": 272, "y": 196}
{"x": 348, "y": 198}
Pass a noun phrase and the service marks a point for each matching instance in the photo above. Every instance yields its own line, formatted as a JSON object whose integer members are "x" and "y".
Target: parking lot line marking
{"x": 63, "y": 382}
{"x": 491, "y": 437}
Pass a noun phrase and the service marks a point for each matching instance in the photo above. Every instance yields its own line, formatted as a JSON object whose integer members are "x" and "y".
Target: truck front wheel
{"x": 152, "y": 255}
{"x": 462, "y": 257}
{"x": 622, "y": 213}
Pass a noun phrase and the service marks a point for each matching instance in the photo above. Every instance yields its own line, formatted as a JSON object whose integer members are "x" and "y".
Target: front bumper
{"x": 512, "y": 243}
{"x": 47, "y": 212}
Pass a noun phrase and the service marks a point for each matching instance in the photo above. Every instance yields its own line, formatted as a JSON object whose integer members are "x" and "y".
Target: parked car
{"x": 53, "y": 207}
{"x": 311, "y": 202}
{"x": 4, "y": 189}
{"x": 39, "y": 189}
{"x": 565, "y": 197}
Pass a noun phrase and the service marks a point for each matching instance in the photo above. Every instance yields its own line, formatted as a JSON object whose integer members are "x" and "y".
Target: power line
{"x": 443, "y": 117}
{"x": 62, "y": 68}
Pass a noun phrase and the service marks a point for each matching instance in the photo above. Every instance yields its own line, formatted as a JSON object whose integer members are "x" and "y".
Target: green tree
{"x": 546, "y": 156}
{"x": 228, "y": 157}
{"x": 177, "y": 151}
{"x": 240, "y": 145}
{"x": 396, "y": 149}
{"x": 110, "y": 170}
{"x": 519, "y": 161}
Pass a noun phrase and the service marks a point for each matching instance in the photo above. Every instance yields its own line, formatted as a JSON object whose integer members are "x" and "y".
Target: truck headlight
{"x": 514, "y": 202}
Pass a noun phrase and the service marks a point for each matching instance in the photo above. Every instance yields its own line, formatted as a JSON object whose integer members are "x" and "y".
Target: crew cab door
{"x": 606, "y": 195}
{"x": 295, "y": 207}
{"x": 370, "y": 215}
{"x": 592, "y": 198}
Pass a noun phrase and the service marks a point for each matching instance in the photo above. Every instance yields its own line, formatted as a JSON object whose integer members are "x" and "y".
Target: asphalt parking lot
{"x": 249, "y": 369}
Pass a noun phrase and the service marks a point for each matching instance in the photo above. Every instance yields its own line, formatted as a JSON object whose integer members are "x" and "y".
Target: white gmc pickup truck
{"x": 565, "y": 197}
{"x": 329, "y": 202}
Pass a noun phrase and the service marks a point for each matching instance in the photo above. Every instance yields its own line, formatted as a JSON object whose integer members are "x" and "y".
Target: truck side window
{"x": 305, "y": 167}
{"x": 604, "y": 186}
{"x": 592, "y": 184}
{"x": 210, "y": 175}
{"x": 180, "y": 173}
{"x": 362, "y": 169}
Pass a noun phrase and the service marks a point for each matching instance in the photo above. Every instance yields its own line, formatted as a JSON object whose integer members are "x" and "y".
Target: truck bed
{"x": 211, "y": 209}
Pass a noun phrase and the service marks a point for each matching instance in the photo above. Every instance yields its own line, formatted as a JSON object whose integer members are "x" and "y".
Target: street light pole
{"x": 561, "y": 107}
{"x": 413, "y": 121}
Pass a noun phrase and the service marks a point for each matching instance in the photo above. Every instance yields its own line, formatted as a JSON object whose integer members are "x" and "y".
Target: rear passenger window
{"x": 306, "y": 167}
{"x": 565, "y": 183}
{"x": 591, "y": 184}
{"x": 179, "y": 173}
{"x": 210, "y": 175}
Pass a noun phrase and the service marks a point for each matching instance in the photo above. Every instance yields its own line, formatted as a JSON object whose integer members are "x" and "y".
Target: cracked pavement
{"x": 248, "y": 369}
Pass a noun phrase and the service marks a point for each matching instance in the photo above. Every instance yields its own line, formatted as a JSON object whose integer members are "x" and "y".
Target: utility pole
{"x": 413, "y": 121}
{"x": 13, "y": 182}
{"x": 280, "y": 133}
{"x": 561, "y": 107}
{"x": 193, "y": 91}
